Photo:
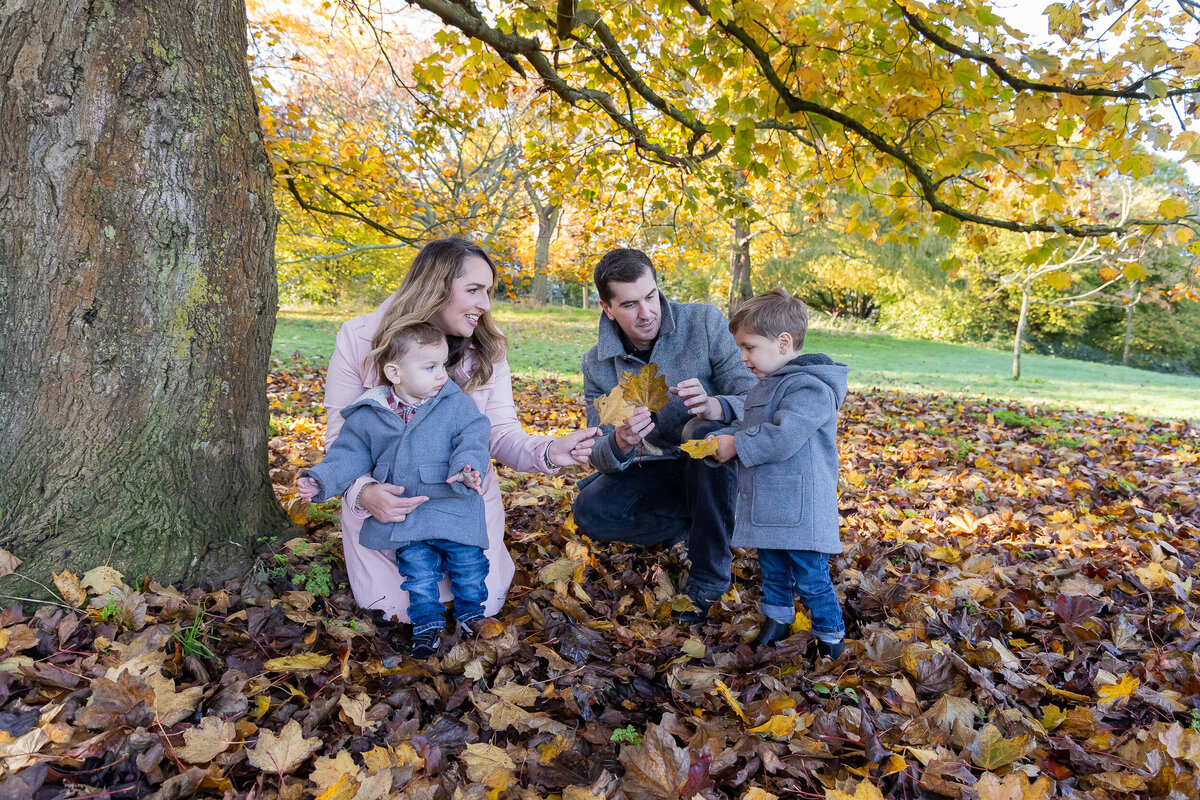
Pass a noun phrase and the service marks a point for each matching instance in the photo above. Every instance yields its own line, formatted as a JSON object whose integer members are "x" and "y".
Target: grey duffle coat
{"x": 787, "y": 452}
{"x": 446, "y": 434}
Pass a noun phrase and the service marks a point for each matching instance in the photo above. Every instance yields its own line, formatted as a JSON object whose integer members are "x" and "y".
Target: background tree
{"x": 137, "y": 295}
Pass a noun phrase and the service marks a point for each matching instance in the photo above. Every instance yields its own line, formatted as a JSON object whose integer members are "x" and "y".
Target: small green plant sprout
{"x": 626, "y": 735}
{"x": 111, "y": 612}
{"x": 1194, "y": 723}
{"x": 192, "y": 639}
{"x": 318, "y": 579}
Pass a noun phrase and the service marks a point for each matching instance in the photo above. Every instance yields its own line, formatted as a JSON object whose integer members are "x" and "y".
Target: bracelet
{"x": 358, "y": 506}
{"x": 547, "y": 467}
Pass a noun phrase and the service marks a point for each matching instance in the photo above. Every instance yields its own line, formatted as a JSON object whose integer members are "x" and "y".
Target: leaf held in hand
{"x": 699, "y": 448}
{"x": 613, "y": 408}
{"x": 645, "y": 388}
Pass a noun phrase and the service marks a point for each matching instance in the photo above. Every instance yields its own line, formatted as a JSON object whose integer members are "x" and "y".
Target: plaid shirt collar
{"x": 406, "y": 410}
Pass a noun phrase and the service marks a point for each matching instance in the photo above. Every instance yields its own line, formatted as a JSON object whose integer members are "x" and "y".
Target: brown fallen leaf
{"x": 8, "y": 562}
{"x": 298, "y": 663}
{"x": 282, "y": 753}
{"x": 208, "y": 740}
{"x": 489, "y": 765}
{"x": 656, "y": 768}
{"x": 70, "y": 588}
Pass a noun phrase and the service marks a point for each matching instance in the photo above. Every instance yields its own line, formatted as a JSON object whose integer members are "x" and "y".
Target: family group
{"x": 418, "y": 400}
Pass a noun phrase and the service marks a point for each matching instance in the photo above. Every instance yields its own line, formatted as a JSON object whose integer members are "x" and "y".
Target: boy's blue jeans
{"x": 423, "y": 563}
{"x": 788, "y": 574}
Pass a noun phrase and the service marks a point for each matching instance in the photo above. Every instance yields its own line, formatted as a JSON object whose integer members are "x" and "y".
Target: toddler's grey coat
{"x": 787, "y": 452}
{"x": 447, "y": 433}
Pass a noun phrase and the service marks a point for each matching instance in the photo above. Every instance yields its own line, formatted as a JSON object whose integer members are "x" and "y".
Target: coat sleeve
{"x": 470, "y": 444}
{"x": 348, "y": 458}
{"x": 509, "y": 443}
{"x": 731, "y": 379}
{"x": 801, "y": 412}
{"x": 606, "y": 455}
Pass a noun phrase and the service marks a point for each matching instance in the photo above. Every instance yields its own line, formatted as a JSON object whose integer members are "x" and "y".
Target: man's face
{"x": 636, "y": 310}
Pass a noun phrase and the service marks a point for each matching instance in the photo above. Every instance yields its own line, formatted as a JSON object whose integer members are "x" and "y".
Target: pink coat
{"x": 374, "y": 577}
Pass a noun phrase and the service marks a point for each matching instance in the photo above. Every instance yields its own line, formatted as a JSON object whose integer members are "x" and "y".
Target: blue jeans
{"x": 788, "y": 574}
{"x": 662, "y": 502}
{"x": 423, "y": 564}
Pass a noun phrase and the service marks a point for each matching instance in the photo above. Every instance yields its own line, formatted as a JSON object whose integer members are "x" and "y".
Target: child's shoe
{"x": 470, "y": 628}
{"x": 426, "y": 643}
{"x": 831, "y": 649}
{"x": 772, "y": 631}
{"x": 690, "y": 617}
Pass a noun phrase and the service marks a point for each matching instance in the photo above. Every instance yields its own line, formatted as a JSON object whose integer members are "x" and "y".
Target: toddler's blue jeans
{"x": 424, "y": 563}
{"x": 788, "y": 574}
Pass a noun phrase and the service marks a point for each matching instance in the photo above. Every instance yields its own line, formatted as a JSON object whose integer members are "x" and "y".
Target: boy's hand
{"x": 468, "y": 477}
{"x": 307, "y": 488}
{"x": 726, "y": 447}
{"x": 698, "y": 403}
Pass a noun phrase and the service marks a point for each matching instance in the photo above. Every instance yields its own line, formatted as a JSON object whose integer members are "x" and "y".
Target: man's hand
{"x": 468, "y": 477}
{"x": 307, "y": 487}
{"x": 726, "y": 447}
{"x": 387, "y": 503}
{"x": 698, "y": 403}
{"x": 635, "y": 429}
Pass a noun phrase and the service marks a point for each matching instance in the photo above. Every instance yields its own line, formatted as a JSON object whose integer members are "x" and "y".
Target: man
{"x": 648, "y": 491}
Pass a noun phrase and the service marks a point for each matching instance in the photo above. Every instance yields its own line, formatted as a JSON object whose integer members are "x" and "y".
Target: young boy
{"x": 420, "y": 431}
{"x": 786, "y": 447}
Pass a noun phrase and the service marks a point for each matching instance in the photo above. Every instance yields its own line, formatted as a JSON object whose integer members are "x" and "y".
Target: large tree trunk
{"x": 739, "y": 266}
{"x": 137, "y": 291}
{"x": 548, "y": 215}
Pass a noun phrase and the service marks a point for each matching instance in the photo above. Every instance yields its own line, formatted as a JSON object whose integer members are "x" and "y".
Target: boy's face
{"x": 762, "y": 355}
{"x": 636, "y": 310}
{"x": 420, "y": 373}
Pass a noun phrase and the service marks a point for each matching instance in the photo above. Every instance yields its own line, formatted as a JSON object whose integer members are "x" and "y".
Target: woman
{"x": 450, "y": 285}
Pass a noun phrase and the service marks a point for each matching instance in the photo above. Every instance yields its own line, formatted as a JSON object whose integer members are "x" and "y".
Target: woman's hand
{"x": 573, "y": 449}
{"x": 387, "y": 503}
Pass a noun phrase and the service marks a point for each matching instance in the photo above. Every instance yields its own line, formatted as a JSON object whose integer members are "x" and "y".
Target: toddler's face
{"x": 762, "y": 355}
{"x": 420, "y": 373}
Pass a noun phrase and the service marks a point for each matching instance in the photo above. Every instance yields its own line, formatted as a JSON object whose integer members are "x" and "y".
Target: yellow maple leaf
{"x": 780, "y": 726}
{"x": 489, "y": 764}
{"x": 645, "y": 388}
{"x": 1118, "y": 691}
{"x": 70, "y": 588}
{"x": 699, "y": 448}
{"x": 283, "y": 753}
{"x": 864, "y": 791}
{"x": 613, "y": 408}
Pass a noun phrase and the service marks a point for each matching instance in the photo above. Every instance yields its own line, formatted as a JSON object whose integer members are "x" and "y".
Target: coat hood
{"x": 820, "y": 366}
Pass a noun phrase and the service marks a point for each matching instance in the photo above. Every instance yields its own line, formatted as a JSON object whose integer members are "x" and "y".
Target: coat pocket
{"x": 777, "y": 501}
{"x": 433, "y": 481}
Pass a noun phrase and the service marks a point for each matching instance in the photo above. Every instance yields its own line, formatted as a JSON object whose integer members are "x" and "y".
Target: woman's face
{"x": 469, "y": 299}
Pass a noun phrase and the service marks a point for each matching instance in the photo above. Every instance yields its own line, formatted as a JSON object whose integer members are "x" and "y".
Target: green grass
{"x": 549, "y": 342}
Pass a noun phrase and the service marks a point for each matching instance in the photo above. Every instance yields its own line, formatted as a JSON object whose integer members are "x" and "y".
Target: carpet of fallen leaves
{"x": 1019, "y": 587}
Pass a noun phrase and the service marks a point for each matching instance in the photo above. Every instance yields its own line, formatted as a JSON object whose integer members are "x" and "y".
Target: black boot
{"x": 426, "y": 643}
{"x": 693, "y": 617}
{"x": 772, "y": 631}
{"x": 834, "y": 650}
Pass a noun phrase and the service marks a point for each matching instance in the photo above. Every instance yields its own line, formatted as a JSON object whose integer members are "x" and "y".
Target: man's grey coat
{"x": 693, "y": 342}
{"x": 447, "y": 433}
{"x": 788, "y": 460}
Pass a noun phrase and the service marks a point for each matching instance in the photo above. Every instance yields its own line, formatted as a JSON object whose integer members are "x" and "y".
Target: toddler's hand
{"x": 726, "y": 447}
{"x": 307, "y": 488}
{"x": 468, "y": 477}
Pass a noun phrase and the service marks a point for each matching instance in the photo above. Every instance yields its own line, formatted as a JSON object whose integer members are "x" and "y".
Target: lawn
{"x": 548, "y": 342}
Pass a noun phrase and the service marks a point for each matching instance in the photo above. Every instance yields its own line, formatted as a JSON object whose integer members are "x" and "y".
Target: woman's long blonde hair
{"x": 425, "y": 291}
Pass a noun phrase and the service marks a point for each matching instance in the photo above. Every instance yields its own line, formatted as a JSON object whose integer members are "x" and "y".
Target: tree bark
{"x": 1129, "y": 323}
{"x": 548, "y": 215}
{"x": 740, "y": 289}
{"x": 137, "y": 291}
{"x": 1021, "y": 320}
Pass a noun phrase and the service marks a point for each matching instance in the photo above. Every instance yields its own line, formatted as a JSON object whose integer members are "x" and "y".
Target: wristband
{"x": 357, "y": 506}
